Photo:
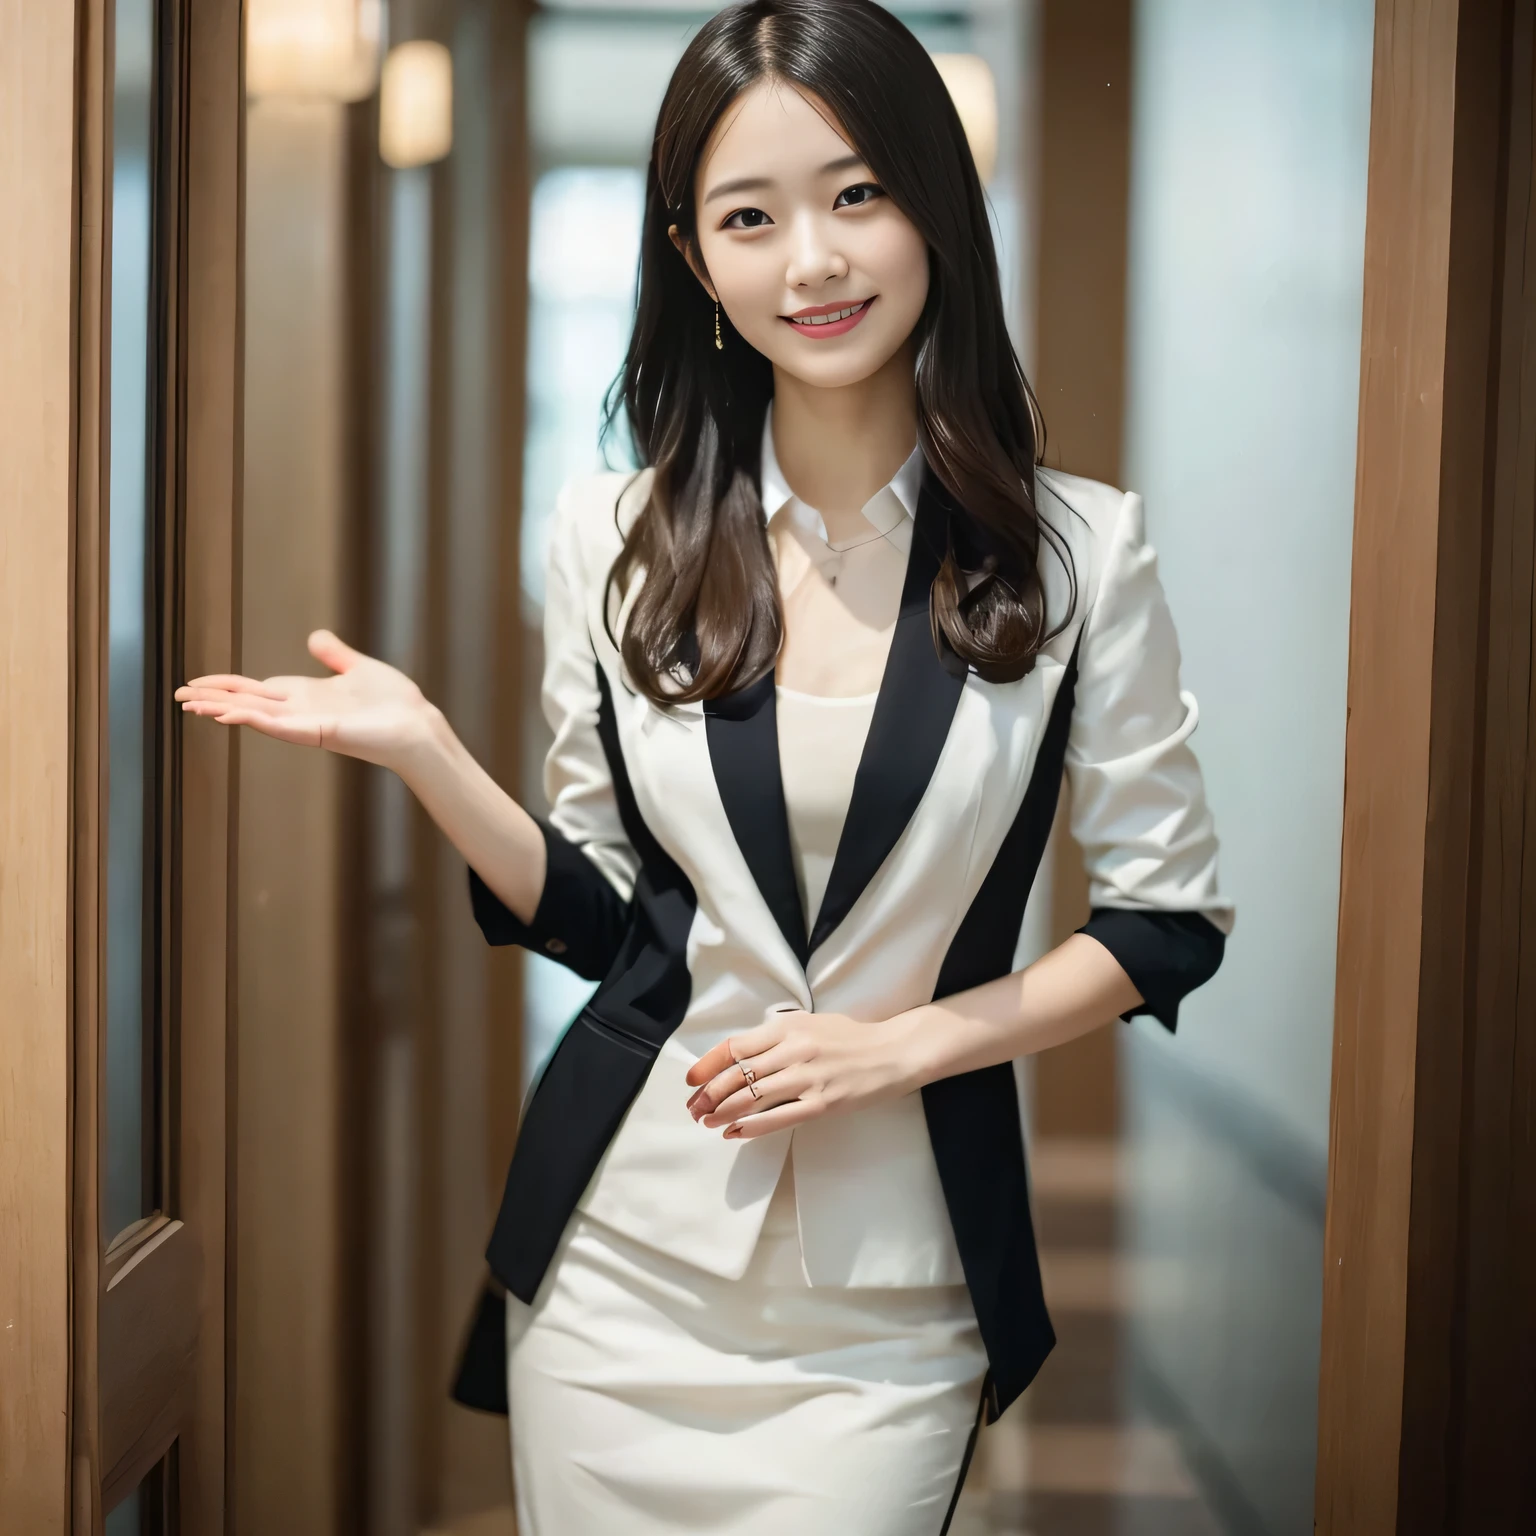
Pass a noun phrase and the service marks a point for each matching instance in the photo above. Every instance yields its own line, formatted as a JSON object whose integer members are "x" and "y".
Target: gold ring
{"x": 751, "y": 1078}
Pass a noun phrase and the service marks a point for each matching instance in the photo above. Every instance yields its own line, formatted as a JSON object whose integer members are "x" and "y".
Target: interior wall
{"x": 289, "y": 1228}
{"x": 1250, "y": 122}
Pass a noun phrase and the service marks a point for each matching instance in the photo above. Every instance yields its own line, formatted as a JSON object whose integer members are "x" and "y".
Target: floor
{"x": 1068, "y": 1459}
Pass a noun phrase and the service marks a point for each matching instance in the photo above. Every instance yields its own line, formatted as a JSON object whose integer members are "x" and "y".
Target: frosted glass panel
{"x": 129, "y": 1130}
{"x": 1250, "y": 127}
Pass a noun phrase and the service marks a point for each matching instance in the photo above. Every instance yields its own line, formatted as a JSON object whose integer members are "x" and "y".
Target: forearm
{"x": 1079, "y": 986}
{"x": 494, "y": 833}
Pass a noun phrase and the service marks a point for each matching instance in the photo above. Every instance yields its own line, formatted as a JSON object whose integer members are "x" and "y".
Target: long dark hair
{"x": 706, "y": 620}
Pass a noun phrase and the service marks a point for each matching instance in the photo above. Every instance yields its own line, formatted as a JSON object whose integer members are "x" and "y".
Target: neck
{"x": 838, "y": 447}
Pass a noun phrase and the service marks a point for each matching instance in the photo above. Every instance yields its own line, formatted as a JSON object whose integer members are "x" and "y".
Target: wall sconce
{"x": 416, "y": 105}
{"x": 325, "y": 50}
{"x": 974, "y": 93}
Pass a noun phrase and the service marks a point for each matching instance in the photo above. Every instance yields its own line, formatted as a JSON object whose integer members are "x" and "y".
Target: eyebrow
{"x": 758, "y": 183}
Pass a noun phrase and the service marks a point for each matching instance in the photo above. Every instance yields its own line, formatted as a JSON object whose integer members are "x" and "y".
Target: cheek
{"x": 741, "y": 275}
{"x": 898, "y": 261}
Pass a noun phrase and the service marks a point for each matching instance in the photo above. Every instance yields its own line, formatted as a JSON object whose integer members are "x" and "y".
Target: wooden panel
{"x": 37, "y": 208}
{"x": 1418, "y": 648}
{"x": 1447, "y": 1010}
{"x": 1386, "y": 792}
{"x": 1493, "y": 1377}
{"x": 149, "y": 1339}
{"x": 1084, "y": 178}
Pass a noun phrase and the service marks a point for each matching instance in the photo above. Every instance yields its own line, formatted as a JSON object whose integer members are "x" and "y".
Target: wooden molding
{"x": 89, "y": 789}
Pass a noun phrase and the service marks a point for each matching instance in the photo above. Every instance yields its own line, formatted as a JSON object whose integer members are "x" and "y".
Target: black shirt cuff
{"x": 580, "y": 921}
{"x": 1166, "y": 954}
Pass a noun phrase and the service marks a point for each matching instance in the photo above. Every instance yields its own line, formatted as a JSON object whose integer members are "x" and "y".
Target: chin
{"x": 834, "y": 372}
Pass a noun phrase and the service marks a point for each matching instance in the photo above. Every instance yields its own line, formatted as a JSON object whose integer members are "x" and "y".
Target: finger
{"x": 736, "y": 1048}
{"x": 781, "y": 1088}
{"x": 301, "y": 730}
{"x": 732, "y": 1077}
{"x": 334, "y": 652}
{"x": 797, "y": 1112}
{"x": 228, "y": 698}
{"x": 231, "y": 682}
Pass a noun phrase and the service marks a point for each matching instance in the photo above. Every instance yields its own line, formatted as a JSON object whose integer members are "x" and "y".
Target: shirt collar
{"x": 884, "y": 510}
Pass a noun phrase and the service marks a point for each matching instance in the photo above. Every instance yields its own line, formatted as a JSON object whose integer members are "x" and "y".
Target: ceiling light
{"x": 324, "y": 50}
{"x": 416, "y": 105}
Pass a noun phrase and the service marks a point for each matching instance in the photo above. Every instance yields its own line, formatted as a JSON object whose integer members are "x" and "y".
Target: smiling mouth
{"x": 832, "y": 321}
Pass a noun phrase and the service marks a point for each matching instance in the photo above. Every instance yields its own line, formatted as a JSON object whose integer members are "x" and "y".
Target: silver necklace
{"x": 831, "y": 567}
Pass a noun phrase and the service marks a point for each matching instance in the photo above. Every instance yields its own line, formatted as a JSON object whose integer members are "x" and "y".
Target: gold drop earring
{"x": 719, "y": 345}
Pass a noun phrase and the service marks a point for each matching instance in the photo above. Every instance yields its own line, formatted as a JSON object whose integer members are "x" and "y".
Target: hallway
{"x": 1081, "y": 1454}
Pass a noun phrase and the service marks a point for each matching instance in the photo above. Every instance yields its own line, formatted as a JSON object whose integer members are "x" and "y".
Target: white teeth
{"x": 839, "y": 314}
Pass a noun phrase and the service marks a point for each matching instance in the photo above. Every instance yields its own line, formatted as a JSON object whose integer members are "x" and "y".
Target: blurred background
{"x": 442, "y": 219}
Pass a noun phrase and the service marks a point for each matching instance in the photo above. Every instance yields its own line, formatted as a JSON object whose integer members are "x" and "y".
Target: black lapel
{"x": 743, "y": 734}
{"x": 919, "y": 691}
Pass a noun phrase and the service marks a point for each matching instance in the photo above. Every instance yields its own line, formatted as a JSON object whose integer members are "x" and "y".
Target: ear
{"x": 688, "y": 253}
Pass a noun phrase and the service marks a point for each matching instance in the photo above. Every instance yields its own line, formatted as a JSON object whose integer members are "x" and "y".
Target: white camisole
{"x": 820, "y": 741}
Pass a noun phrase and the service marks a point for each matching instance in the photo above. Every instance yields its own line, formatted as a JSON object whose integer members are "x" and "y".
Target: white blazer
{"x": 671, "y": 881}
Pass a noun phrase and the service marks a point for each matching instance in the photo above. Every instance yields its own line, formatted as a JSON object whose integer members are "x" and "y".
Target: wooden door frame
{"x": 1438, "y": 776}
{"x": 73, "y": 1392}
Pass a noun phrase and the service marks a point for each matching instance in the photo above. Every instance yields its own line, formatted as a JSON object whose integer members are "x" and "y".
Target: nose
{"x": 814, "y": 257}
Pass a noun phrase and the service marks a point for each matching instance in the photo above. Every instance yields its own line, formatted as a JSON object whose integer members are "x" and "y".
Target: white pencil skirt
{"x": 651, "y": 1397}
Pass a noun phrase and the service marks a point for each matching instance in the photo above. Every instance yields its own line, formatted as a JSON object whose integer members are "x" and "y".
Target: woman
{"x": 814, "y": 675}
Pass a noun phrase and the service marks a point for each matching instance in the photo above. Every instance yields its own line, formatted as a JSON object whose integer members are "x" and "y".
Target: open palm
{"x": 368, "y": 709}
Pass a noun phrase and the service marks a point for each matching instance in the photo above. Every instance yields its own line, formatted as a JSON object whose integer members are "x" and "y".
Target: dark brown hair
{"x": 706, "y": 620}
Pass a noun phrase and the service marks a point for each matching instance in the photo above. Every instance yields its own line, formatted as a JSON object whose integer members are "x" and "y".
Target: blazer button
{"x": 555, "y": 946}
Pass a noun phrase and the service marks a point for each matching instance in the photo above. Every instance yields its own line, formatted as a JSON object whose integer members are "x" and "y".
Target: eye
{"x": 751, "y": 218}
{"x": 858, "y": 195}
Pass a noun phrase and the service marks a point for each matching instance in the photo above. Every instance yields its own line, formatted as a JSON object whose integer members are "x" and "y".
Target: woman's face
{"x": 815, "y": 266}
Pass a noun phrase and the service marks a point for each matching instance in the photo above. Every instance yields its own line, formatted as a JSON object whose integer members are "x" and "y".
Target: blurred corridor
{"x": 1178, "y": 197}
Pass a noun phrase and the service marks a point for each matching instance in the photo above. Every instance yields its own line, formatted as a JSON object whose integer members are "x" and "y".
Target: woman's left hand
{"x": 803, "y": 1065}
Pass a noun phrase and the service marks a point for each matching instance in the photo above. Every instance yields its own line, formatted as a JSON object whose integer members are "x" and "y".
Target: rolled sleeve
{"x": 1165, "y": 954}
{"x": 580, "y": 920}
{"x": 1139, "y": 810}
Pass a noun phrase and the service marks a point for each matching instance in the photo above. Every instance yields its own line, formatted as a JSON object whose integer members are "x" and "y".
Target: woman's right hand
{"x": 368, "y": 709}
